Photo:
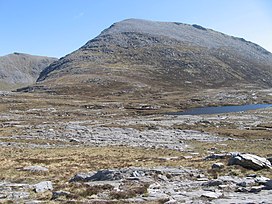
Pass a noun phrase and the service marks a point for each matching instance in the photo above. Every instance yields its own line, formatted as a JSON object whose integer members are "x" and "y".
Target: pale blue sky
{"x": 58, "y": 27}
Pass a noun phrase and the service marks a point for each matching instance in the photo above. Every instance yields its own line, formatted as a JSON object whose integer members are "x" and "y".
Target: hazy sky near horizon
{"x": 58, "y": 27}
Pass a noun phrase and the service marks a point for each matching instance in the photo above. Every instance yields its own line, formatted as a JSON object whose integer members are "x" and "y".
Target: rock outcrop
{"x": 249, "y": 161}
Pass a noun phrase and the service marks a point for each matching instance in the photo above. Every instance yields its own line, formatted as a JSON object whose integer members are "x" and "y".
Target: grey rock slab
{"x": 249, "y": 161}
{"x": 268, "y": 185}
{"x": 263, "y": 197}
{"x": 43, "y": 186}
{"x": 213, "y": 183}
{"x": 105, "y": 175}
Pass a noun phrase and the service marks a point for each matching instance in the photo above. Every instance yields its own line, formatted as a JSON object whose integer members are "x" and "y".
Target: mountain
{"x": 20, "y": 69}
{"x": 139, "y": 55}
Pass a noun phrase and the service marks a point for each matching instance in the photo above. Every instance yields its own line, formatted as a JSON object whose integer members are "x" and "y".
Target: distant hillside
{"x": 19, "y": 69}
{"x": 134, "y": 55}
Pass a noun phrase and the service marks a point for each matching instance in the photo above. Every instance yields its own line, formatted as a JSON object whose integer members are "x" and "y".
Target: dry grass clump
{"x": 82, "y": 190}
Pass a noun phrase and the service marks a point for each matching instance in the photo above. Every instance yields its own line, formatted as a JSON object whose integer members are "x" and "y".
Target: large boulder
{"x": 249, "y": 161}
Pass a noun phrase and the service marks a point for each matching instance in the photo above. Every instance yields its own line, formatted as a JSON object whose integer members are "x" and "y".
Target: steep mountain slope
{"x": 19, "y": 69}
{"x": 134, "y": 55}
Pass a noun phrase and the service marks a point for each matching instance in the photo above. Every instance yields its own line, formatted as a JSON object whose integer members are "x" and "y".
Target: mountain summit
{"x": 19, "y": 69}
{"x": 134, "y": 55}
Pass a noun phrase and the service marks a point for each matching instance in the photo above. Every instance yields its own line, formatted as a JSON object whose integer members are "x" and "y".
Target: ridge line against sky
{"x": 58, "y": 27}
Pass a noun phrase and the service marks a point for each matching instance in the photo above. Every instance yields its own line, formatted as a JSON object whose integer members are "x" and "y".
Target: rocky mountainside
{"x": 134, "y": 55}
{"x": 19, "y": 69}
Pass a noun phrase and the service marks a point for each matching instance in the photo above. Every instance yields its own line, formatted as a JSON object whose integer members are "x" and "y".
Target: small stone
{"x": 33, "y": 202}
{"x": 74, "y": 140}
{"x": 200, "y": 176}
{"x": 212, "y": 195}
{"x": 135, "y": 174}
{"x": 35, "y": 169}
{"x": 43, "y": 186}
{"x": 218, "y": 166}
{"x": 188, "y": 157}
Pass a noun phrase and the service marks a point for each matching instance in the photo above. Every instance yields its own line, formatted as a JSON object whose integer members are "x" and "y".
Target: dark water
{"x": 221, "y": 109}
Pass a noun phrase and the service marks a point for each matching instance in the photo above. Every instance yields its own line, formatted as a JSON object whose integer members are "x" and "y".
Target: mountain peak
{"x": 137, "y": 53}
{"x": 142, "y": 26}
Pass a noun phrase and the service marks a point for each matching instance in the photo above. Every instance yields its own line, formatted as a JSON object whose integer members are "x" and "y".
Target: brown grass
{"x": 63, "y": 163}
